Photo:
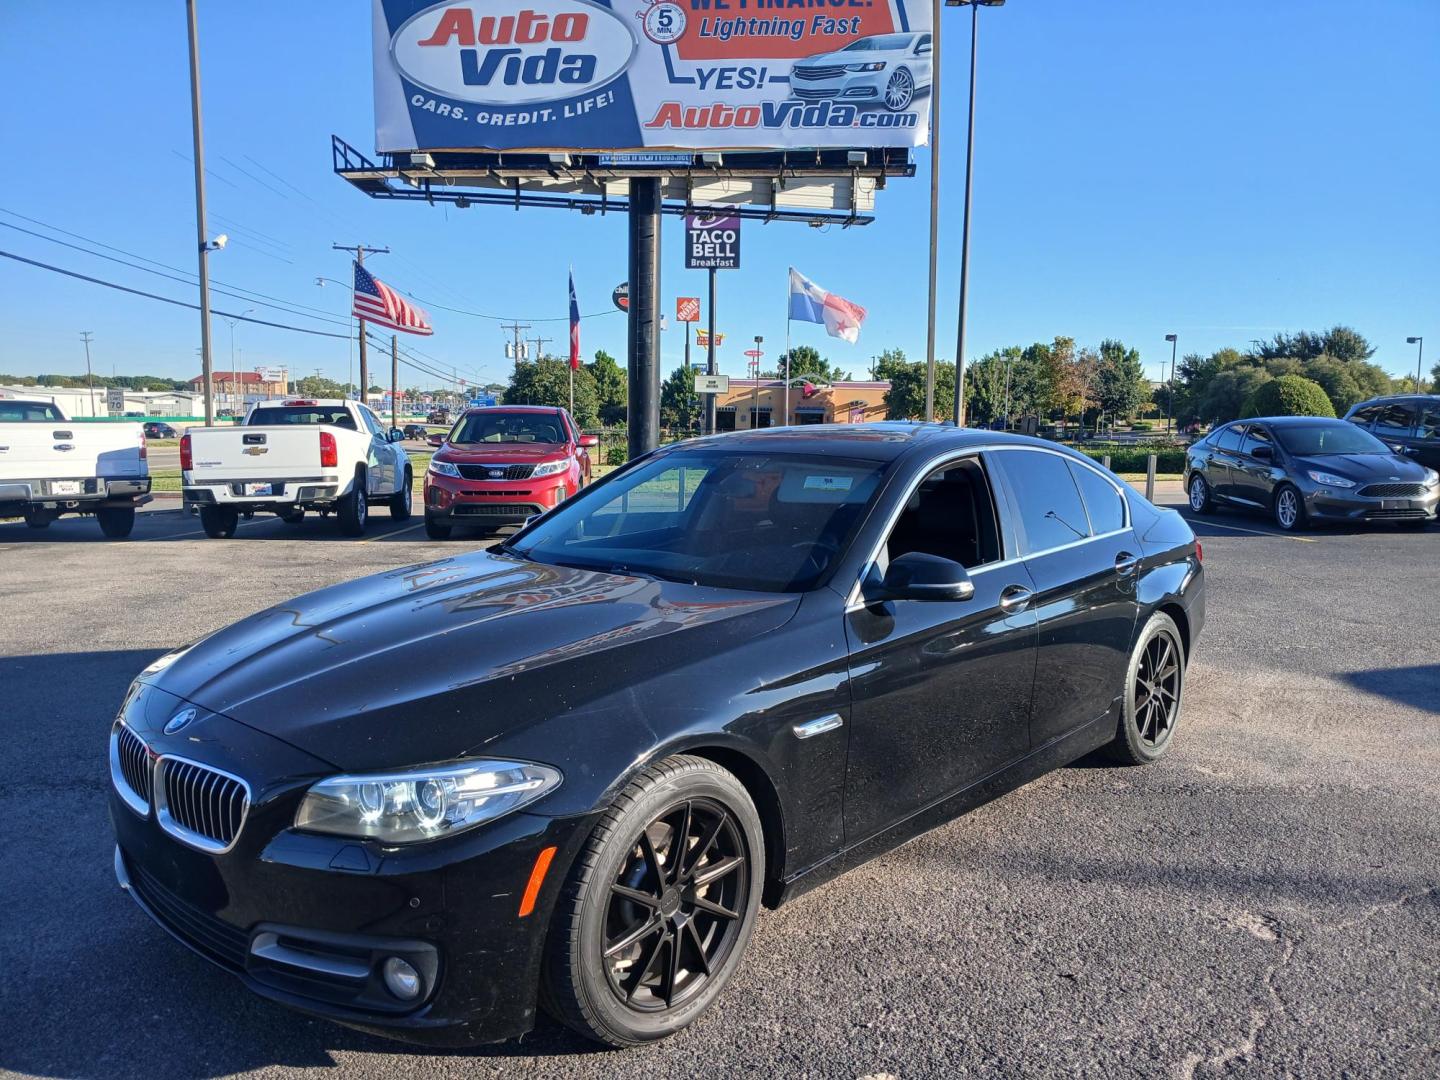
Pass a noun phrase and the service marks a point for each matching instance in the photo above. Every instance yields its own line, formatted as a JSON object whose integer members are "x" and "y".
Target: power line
{"x": 164, "y": 299}
{"x": 501, "y": 318}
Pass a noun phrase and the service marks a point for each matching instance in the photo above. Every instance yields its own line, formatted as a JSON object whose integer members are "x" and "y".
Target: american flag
{"x": 574, "y": 325}
{"x": 377, "y": 303}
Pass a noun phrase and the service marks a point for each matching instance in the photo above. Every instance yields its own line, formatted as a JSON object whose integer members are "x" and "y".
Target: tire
{"x": 116, "y": 522}
{"x": 899, "y": 90}
{"x": 400, "y": 501}
{"x": 436, "y": 530}
{"x": 603, "y": 999}
{"x": 219, "y": 522}
{"x": 1146, "y": 731}
{"x": 1201, "y": 501}
{"x": 293, "y": 516}
{"x": 1288, "y": 508}
{"x": 38, "y": 519}
{"x": 354, "y": 509}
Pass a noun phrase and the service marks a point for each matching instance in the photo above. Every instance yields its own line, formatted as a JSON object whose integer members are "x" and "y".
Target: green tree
{"x": 1120, "y": 384}
{"x": 1289, "y": 395}
{"x": 546, "y": 381}
{"x": 806, "y": 361}
{"x": 679, "y": 404}
{"x": 905, "y": 400}
{"x": 611, "y": 387}
{"x": 317, "y": 386}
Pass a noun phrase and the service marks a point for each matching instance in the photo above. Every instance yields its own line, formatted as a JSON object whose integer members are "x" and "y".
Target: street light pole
{"x": 1419, "y": 360}
{"x": 1174, "y": 340}
{"x": 203, "y": 245}
{"x": 974, "y": 5}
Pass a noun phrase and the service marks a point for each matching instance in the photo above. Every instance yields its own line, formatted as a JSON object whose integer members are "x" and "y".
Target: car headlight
{"x": 875, "y": 65}
{"x": 443, "y": 468}
{"x": 1330, "y": 479}
{"x": 550, "y": 468}
{"x": 1431, "y": 478}
{"x": 421, "y": 804}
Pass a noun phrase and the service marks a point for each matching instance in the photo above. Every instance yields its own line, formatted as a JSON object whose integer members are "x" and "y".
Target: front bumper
{"x": 1338, "y": 505}
{"x": 457, "y": 501}
{"x": 857, "y": 88}
{"x": 308, "y": 920}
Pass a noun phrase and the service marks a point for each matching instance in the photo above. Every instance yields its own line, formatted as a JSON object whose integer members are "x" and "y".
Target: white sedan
{"x": 886, "y": 69}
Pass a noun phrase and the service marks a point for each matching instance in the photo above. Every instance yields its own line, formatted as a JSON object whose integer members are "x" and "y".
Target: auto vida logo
{"x": 547, "y": 50}
{"x": 179, "y": 721}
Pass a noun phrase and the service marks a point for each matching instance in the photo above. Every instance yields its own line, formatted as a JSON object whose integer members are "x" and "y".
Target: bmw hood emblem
{"x": 180, "y": 720}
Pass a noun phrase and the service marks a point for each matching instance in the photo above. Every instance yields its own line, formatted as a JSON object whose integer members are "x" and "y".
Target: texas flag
{"x": 810, "y": 303}
{"x": 574, "y": 326}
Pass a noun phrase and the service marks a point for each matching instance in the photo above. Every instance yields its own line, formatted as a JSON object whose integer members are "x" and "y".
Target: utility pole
{"x": 359, "y": 251}
{"x": 85, "y": 336}
{"x": 540, "y": 343}
{"x": 518, "y": 347}
{"x": 394, "y": 380}
{"x": 203, "y": 245}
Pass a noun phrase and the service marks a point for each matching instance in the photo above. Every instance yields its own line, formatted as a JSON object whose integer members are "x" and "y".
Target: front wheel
{"x": 659, "y": 907}
{"x": 899, "y": 91}
{"x": 436, "y": 530}
{"x": 1200, "y": 500}
{"x": 219, "y": 522}
{"x": 1155, "y": 683}
{"x": 354, "y": 509}
{"x": 1289, "y": 508}
{"x": 116, "y": 522}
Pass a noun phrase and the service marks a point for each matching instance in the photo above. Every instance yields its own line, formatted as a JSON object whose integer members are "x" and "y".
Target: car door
{"x": 1427, "y": 435}
{"x": 1083, "y": 560}
{"x": 1253, "y": 475}
{"x": 380, "y": 462}
{"x": 1395, "y": 426}
{"x": 1224, "y": 456}
{"x": 940, "y": 691}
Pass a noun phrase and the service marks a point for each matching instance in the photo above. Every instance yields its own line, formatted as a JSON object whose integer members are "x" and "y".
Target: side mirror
{"x": 396, "y": 435}
{"x": 917, "y": 576}
{"x": 1263, "y": 453}
{"x": 436, "y": 440}
{"x": 589, "y": 441}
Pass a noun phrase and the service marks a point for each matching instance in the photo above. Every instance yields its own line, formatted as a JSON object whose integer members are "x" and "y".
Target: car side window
{"x": 951, "y": 514}
{"x": 1366, "y": 416}
{"x": 1396, "y": 419}
{"x": 368, "y": 420}
{"x": 1105, "y": 505}
{"x": 1229, "y": 439}
{"x": 1046, "y": 501}
{"x": 1257, "y": 436}
{"x": 1430, "y": 421}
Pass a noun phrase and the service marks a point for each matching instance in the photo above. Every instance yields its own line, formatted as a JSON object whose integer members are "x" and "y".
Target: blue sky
{"x": 1222, "y": 170}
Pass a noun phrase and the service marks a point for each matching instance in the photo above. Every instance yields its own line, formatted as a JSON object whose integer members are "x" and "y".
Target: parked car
{"x": 154, "y": 429}
{"x": 885, "y": 69}
{"x": 503, "y": 464}
{"x": 416, "y": 431}
{"x": 438, "y": 416}
{"x": 296, "y": 455}
{"x": 1408, "y": 424}
{"x": 1303, "y": 469}
{"x": 50, "y": 465}
{"x": 570, "y": 769}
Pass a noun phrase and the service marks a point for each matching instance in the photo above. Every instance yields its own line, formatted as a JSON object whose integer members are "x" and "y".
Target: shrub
{"x": 617, "y": 455}
{"x": 1289, "y": 395}
{"x": 1142, "y": 425}
{"x": 1127, "y": 458}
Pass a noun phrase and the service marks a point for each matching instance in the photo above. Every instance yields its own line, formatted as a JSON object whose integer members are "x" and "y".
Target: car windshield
{"x": 883, "y": 43}
{"x": 19, "y": 412}
{"x": 509, "y": 427}
{"x": 762, "y": 521}
{"x": 1322, "y": 439}
{"x": 302, "y": 414}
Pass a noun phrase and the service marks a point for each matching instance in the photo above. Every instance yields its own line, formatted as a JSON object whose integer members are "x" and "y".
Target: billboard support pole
{"x": 644, "y": 337}
{"x": 711, "y": 400}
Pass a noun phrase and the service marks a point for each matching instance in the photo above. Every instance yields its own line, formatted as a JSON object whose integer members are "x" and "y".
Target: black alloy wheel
{"x": 658, "y": 907}
{"x": 1154, "y": 691}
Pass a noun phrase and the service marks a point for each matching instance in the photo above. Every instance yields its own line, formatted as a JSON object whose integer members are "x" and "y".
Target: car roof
{"x": 1384, "y": 398}
{"x": 549, "y": 410}
{"x": 885, "y": 440}
{"x": 1286, "y": 421}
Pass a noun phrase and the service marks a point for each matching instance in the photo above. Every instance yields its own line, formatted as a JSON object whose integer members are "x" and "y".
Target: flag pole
{"x": 786, "y": 420}
{"x": 572, "y": 390}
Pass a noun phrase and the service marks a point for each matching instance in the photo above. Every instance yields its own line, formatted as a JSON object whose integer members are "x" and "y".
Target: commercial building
{"x": 235, "y": 390}
{"x": 760, "y": 403}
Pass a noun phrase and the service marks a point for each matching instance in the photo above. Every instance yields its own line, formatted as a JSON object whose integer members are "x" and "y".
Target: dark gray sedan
{"x": 1302, "y": 469}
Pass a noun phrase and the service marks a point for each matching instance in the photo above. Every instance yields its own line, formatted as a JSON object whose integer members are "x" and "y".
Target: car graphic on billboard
{"x": 889, "y": 70}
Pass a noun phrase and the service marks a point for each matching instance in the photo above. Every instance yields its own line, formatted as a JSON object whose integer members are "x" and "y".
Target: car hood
{"x": 1366, "y": 468}
{"x": 499, "y": 453}
{"x": 832, "y": 58}
{"x": 429, "y": 662}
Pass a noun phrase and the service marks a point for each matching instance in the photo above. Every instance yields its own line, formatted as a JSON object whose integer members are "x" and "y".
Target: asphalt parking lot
{"x": 1264, "y": 902}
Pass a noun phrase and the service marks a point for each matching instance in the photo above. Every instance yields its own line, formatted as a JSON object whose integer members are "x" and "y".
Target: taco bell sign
{"x": 712, "y": 241}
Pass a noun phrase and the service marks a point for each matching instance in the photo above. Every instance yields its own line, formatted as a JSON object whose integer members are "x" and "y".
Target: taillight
{"x": 1199, "y": 552}
{"x": 185, "y": 462}
{"x": 329, "y": 455}
{"x": 143, "y": 452}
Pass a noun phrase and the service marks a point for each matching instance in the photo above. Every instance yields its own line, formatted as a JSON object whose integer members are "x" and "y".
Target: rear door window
{"x": 1229, "y": 439}
{"x": 1047, "y": 502}
{"x": 1396, "y": 419}
{"x": 1256, "y": 436}
{"x": 1430, "y": 421}
{"x": 1106, "y": 506}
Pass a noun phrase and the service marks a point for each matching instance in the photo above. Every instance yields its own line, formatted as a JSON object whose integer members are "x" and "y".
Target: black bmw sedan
{"x": 568, "y": 771}
{"x": 1304, "y": 469}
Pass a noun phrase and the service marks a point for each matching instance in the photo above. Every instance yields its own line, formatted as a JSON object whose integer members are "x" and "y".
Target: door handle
{"x": 1015, "y": 598}
{"x": 1126, "y": 564}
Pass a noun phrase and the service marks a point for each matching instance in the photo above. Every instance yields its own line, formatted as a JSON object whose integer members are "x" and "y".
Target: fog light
{"x": 401, "y": 979}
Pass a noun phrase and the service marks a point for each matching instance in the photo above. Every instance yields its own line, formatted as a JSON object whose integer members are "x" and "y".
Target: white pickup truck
{"x": 50, "y": 465}
{"x": 296, "y": 455}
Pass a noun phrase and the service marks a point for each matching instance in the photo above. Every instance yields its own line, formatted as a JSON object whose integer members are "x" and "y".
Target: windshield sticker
{"x": 828, "y": 483}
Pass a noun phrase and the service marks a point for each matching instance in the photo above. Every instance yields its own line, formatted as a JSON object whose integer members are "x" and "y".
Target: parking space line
{"x": 395, "y": 532}
{"x": 1255, "y": 532}
{"x": 198, "y": 532}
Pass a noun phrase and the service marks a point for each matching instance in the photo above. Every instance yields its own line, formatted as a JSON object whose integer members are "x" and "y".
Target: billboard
{"x": 615, "y": 75}
{"x": 712, "y": 240}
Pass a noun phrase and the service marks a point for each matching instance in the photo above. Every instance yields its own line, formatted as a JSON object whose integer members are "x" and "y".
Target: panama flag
{"x": 810, "y": 303}
{"x": 574, "y": 325}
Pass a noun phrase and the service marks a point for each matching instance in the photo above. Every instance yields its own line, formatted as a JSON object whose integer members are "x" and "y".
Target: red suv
{"x": 502, "y": 464}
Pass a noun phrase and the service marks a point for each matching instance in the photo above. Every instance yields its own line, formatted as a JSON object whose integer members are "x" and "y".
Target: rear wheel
{"x": 435, "y": 529}
{"x": 219, "y": 522}
{"x": 1154, "y": 688}
{"x": 1200, "y": 501}
{"x": 1289, "y": 508}
{"x": 116, "y": 522}
{"x": 39, "y": 519}
{"x": 659, "y": 906}
{"x": 293, "y": 516}
{"x": 354, "y": 509}
{"x": 400, "y": 501}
